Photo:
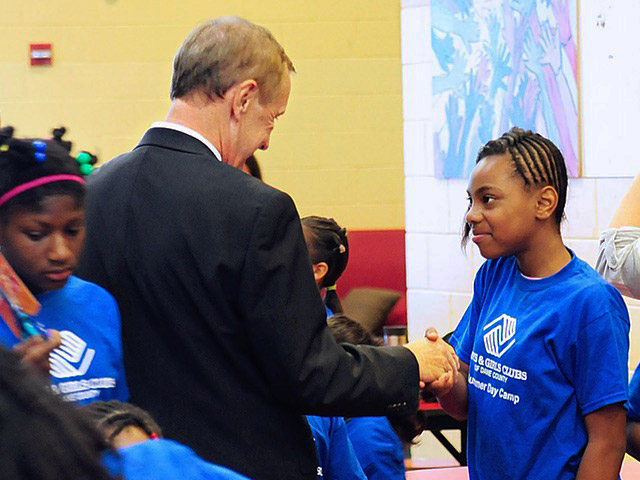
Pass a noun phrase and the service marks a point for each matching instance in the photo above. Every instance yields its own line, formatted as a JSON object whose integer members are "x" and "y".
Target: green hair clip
{"x": 84, "y": 159}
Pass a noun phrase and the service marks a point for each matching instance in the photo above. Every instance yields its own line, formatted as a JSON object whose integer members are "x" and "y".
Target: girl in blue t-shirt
{"x": 42, "y": 189}
{"x": 329, "y": 253}
{"x": 544, "y": 343}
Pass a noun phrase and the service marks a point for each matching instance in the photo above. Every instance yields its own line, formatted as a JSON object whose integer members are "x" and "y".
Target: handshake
{"x": 437, "y": 361}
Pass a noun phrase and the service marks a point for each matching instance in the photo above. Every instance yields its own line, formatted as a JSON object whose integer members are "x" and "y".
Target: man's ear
{"x": 546, "y": 202}
{"x": 242, "y": 95}
{"x": 320, "y": 270}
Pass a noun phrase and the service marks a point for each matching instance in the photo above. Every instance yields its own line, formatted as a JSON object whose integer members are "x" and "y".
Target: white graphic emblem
{"x": 500, "y": 338}
{"x": 72, "y": 358}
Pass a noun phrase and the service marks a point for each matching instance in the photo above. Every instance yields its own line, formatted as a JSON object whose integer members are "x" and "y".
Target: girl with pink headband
{"x": 42, "y": 190}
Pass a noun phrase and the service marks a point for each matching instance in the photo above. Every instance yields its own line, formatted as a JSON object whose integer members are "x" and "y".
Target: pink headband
{"x": 37, "y": 182}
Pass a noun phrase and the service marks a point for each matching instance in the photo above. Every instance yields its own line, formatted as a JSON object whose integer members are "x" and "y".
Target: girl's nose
{"x": 60, "y": 251}
{"x": 473, "y": 215}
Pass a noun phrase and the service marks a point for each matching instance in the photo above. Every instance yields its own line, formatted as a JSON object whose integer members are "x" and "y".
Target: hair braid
{"x": 535, "y": 159}
{"x": 542, "y": 156}
{"x": 116, "y": 416}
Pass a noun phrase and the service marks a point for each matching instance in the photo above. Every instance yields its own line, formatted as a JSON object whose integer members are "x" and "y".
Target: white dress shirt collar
{"x": 188, "y": 131}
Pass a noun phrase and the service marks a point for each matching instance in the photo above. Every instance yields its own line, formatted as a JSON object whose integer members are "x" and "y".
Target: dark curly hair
{"x": 25, "y": 160}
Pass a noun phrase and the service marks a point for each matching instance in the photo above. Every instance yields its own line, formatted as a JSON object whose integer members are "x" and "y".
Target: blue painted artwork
{"x": 499, "y": 64}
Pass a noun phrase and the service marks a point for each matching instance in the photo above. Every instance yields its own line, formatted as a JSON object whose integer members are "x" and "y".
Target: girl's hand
{"x": 35, "y": 351}
{"x": 442, "y": 385}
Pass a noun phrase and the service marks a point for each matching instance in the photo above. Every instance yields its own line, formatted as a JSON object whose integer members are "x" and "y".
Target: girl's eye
{"x": 34, "y": 236}
{"x": 487, "y": 199}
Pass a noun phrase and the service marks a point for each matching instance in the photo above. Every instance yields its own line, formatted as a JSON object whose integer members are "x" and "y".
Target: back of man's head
{"x": 222, "y": 52}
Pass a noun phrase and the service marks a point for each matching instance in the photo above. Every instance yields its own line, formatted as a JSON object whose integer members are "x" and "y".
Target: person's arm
{"x": 628, "y": 212}
{"x": 453, "y": 396}
{"x": 633, "y": 438}
{"x": 295, "y": 350}
{"x": 619, "y": 251}
{"x": 343, "y": 463}
{"x": 606, "y": 445}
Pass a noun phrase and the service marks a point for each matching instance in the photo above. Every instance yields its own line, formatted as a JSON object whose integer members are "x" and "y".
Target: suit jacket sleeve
{"x": 287, "y": 330}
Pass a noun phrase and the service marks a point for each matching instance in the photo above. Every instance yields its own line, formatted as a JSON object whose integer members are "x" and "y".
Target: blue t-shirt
{"x": 165, "y": 460}
{"x": 542, "y": 354}
{"x": 335, "y": 452}
{"x": 633, "y": 405}
{"x": 88, "y": 365}
{"x": 378, "y": 448}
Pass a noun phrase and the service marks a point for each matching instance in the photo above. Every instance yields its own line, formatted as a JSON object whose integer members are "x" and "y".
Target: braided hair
{"x": 26, "y": 160}
{"x": 42, "y": 437}
{"x": 327, "y": 242}
{"x": 347, "y": 330}
{"x": 114, "y": 416}
{"x": 535, "y": 159}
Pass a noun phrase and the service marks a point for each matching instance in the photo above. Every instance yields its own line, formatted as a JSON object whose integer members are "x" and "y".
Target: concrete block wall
{"x": 337, "y": 151}
{"x": 439, "y": 274}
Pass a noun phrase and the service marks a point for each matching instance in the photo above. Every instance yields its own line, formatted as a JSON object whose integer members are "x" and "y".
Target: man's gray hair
{"x": 222, "y": 52}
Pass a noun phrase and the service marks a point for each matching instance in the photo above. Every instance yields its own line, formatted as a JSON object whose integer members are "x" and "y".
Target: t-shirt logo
{"x": 499, "y": 337}
{"x": 72, "y": 358}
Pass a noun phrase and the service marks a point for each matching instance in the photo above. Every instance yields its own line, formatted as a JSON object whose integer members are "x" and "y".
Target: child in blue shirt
{"x": 142, "y": 452}
{"x": 544, "y": 343}
{"x": 377, "y": 441}
{"x": 329, "y": 253}
{"x": 337, "y": 458}
{"x": 41, "y": 235}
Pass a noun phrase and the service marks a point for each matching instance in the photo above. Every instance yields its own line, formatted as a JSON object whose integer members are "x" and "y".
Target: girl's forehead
{"x": 60, "y": 205}
{"x": 494, "y": 170}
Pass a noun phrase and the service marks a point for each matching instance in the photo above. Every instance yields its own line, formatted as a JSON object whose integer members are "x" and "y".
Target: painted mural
{"x": 498, "y": 64}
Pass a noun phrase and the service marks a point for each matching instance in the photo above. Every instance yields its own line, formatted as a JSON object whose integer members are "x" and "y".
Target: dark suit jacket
{"x": 224, "y": 331}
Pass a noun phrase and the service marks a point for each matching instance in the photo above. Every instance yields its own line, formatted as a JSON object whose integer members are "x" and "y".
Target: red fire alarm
{"x": 41, "y": 54}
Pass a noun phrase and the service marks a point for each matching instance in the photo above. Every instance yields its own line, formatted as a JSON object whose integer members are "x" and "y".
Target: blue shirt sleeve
{"x": 377, "y": 447}
{"x": 464, "y": 334}
{"x": 601, "y": 354}
{"x": 633, "y": 405}
{"x": 337, "y": 457}
{"x": 343, "y": 464}
{"x": 466, "y": 330}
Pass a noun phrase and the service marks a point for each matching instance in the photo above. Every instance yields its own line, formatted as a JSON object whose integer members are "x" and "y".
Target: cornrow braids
{"x": 42, "y": 437}
{"x": 26, "y": 160}
{"x": 327, "y": 242}
{"x": 535, "y": 159}
{"x": 114, "y": 416}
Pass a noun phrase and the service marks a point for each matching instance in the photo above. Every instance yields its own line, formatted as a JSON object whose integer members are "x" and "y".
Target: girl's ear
{"x": 546, "y": 202}
{"x": 320, "y": 271}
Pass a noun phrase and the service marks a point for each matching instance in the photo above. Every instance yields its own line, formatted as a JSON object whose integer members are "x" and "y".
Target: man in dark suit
{"x": 224, "y": 332}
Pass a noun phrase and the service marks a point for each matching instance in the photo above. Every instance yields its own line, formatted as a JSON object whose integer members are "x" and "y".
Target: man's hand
{"x": 35, "y": 351}
{"x": 435, "y": 358}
